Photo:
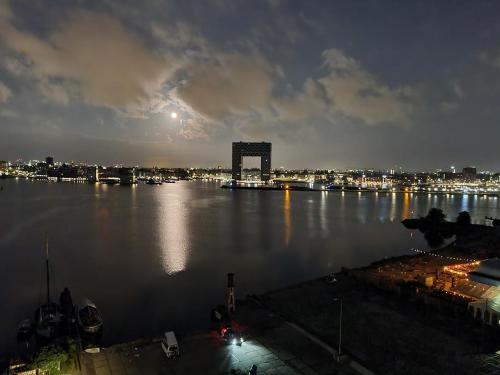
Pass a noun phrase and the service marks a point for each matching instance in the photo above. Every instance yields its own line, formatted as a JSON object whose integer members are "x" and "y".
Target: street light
{"x": 340, "y": 328}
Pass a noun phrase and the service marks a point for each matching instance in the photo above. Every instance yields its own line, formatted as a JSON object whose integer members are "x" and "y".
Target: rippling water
{"x": 155, "y": 257}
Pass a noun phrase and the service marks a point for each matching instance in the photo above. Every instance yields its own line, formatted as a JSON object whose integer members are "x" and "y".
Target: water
{"x": 155, "y": 257}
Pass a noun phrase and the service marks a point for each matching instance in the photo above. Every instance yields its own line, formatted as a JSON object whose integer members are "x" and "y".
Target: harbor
{"x": 271, "y": 344}
{"x": 274, "y": 187}
{"x": 342, "y": 323}
{"x": 287, "y": 328}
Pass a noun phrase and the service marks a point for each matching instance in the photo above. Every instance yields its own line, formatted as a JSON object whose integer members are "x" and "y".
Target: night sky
{"x": 333, "y": 84}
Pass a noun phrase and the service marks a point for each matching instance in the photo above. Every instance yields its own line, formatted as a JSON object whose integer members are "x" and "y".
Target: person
{"x": 253, "y": 370}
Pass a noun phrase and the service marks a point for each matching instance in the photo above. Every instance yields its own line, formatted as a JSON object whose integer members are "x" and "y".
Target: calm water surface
{"x": 155, "y": 257}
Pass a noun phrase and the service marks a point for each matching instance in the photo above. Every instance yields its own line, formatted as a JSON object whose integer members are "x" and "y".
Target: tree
{"x": 463, "y": 219}
{"x": 435, "y": 216}
{"x": 432, "y": 227}
{"x": 463, "y": 223}
{"x": 434, "y": 239}
{"x": 49, "y": 359}
{"x": 55, "y": 360}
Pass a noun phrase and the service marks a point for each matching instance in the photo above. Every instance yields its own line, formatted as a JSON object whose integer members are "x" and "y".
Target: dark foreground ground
{"x": 295, "y": 331}
{"x": 387, "y": 333}
{"x": 201, "y": 354}
{"x": 271, "y": 343}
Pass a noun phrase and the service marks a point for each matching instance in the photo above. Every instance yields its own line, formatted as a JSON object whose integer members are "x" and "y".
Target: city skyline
{"x": 331, "y": 85}
{"x": 248, "y": 163}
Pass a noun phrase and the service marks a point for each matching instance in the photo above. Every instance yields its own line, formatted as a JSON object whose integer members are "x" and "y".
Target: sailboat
{"x": 48, "y": 316}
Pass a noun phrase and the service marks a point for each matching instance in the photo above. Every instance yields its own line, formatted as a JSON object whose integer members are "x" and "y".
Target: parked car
{"x": 169, "y": 345}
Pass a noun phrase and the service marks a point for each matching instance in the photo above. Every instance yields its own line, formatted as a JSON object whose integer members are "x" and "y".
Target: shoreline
{"x": 315, "y": 324}
{"x": 312, "y": 321}
{"x": 338, "y": 189}
{"x": 358, "y": 190}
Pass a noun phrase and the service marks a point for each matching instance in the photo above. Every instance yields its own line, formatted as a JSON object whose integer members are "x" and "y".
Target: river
{"x": 155, "y": 258}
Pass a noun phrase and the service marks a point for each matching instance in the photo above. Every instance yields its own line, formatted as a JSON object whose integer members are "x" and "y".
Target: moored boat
{"x": 154, "y": 181}
{"x": 48, "y": 316}
{"x": 109, "y": 180}
{"x": 89, "y": 318}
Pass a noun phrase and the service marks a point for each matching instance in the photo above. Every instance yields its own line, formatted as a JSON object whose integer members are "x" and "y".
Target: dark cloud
{"x": 331, "y": 84}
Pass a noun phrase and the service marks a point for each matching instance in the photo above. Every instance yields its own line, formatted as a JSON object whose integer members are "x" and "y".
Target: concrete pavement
{"x": 201, "y": 354}
{"x": 274, "y": 345}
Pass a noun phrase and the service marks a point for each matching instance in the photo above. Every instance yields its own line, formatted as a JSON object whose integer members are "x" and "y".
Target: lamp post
{"x": 340, "y": 329}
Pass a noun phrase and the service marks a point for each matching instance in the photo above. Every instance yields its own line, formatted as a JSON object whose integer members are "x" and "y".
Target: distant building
{"x": 447, "y": 176}
{"x": 41, "y": 169}
{"x": 49, "y": 160}
{"x": 3, "y": 165}
{"x": 242, "y": 149}
{"x": 126, "y": 175}
{"x": 469, "y": 173}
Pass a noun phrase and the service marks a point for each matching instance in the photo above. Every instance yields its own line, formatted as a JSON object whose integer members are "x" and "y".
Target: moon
{"x": 173, "y": 115}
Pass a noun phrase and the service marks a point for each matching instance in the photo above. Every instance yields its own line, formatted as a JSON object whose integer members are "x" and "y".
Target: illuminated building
{"x": 487, "y": 307}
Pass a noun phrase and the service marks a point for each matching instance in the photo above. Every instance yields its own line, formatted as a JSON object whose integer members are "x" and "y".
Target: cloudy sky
{"x": 333, "y": 84}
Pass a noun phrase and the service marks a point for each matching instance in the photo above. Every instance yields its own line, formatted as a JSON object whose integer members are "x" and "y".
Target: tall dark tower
{"x": 260, "y": 149}
{"x": 231, "y": 305}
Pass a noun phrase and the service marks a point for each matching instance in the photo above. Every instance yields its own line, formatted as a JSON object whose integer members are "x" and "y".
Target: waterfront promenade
{"x": 273, "y": 344}
{"x": 200, "y": 354}
{"x": 380, "y": 329}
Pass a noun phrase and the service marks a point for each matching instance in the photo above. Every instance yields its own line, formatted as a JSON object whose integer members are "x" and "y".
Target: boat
{"x": 48, "y": 316}
{"x": 89, "y": 318}
{"x": 109, "y": 180}
{"x": 24, "y": 330}
{"x": 66, "y": 303}
{"x": 153, "y": 181}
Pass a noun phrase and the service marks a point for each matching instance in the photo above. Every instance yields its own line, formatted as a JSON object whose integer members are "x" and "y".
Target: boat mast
{"x": 47, "y": 268}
